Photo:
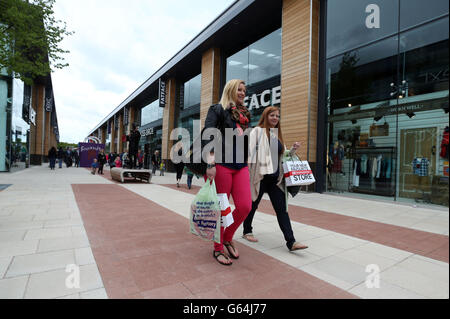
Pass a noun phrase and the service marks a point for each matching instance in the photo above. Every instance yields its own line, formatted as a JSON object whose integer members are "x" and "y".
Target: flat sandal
{"x": 227, "y": 246}
{"x": 216, "y": 256}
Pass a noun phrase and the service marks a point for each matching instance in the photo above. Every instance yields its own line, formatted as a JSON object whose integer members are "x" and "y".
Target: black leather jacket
{"x": 219, "y": 118}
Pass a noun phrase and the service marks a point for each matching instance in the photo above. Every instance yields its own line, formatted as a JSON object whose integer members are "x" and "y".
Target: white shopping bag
{"x": 298, "y": 173}
{"x": 227, "y": 216}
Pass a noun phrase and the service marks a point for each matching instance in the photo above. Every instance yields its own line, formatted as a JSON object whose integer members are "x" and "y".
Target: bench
{"x": 119, "y": 174}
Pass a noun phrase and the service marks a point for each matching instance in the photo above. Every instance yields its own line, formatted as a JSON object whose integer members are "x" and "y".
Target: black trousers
{"x": 100, "y": 168}
{"x": 133, "y": 160}
{"x": 277, "y": 198}
{"x": 179, "y": 168}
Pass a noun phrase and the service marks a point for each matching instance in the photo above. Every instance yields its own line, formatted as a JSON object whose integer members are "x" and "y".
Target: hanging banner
{"x": 125, "y": 116}
{"x": 48, "y": 98}
{"x": 89, "y": 151}
{"x": 32, "y": 115}
{"x": 162, "y": 93}
{"x": 26, "y": 103}
{"x": 181, "y": 98}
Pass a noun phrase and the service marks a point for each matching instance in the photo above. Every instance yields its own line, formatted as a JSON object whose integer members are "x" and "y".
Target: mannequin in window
{"x": 420, "y": 167}
{"x": 337, "y": 155}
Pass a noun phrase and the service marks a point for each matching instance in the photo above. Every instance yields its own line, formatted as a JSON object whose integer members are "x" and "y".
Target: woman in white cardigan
{"x": 266, "y": 174}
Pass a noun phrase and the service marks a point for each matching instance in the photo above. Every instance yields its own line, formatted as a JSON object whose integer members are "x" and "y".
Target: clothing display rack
{"x": 372, "y": 171}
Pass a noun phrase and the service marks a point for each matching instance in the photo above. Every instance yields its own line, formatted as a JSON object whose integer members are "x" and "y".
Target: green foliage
{"x": 29, "y": 38}
{"x": 65, "y": 145}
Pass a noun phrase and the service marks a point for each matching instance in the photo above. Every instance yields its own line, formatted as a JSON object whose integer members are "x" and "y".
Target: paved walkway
{"x": 132, "y": 240}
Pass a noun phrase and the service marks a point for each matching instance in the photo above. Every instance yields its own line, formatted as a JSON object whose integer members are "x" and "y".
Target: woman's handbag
{"x": 193, "y": 158}
{"x": 205, "y": 215}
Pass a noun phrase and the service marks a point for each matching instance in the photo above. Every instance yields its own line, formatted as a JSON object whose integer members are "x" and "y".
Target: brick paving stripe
{"x": 144, "y": 250}
{"x": 419, "y": 242}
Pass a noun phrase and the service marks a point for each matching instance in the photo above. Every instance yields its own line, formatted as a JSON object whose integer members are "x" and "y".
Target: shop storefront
{"x": 15, "y": 99}
{"x": 151, "y": 130}
{"x": 387, "y": 99}
{"x": 363, "y": 85}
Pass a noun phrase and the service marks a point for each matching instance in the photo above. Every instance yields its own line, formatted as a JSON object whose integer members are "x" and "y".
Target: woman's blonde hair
{"x": 229, "y": 95}
{"x": 264, "y": 122}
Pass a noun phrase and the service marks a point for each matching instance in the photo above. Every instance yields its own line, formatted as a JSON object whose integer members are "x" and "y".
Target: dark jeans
{"x": 52, "y": 163}
{"x": 189, "y": 180}
{"x": 100, "y": 168}
{"x": 277, "y": 197}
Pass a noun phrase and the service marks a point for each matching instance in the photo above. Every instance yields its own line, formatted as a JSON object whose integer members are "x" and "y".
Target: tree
{"x": 65, "y": 145}
{"x": 29, "y": 39}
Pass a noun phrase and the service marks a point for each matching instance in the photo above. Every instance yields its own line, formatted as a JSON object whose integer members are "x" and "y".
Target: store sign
{"x": 382, "y": 110}
{"x": 26, "y": 103}
{"x": 162, "y": 93}
{"x": 147, "y": 131}
{"x": 89, "y": 151}
{"x": 32, "y": 115}
{"x": 125, "y": 116}
{"x": 379, "y": 130}
{"x": 265, "y": 98}
{"x": 48, "y": 99}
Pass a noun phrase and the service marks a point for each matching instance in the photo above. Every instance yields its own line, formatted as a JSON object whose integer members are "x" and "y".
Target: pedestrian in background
{"x": 162, "y": 168}
{"x": 101, "y": 157}
{"x": 94, "y": 166}
{"x": 76, "y": 156}
{"x": 155, "y": 161}
{"x": 178, "y": 149}
{"x": 52, "y": 157}
{"x": 133, "y": 138}
{"x": 190, "y": 176}
{"x": 140, "y": 158}
{"x": 60, "y": 156}
{"x": 117, "y": 162}
{"x": 267, "y": 175}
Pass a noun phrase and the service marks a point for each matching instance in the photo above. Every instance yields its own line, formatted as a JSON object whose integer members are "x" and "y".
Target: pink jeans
{"x": 236, "y": 183}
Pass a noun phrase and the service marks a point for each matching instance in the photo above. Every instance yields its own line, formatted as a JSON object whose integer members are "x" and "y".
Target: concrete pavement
{"x": 54, "y": 224}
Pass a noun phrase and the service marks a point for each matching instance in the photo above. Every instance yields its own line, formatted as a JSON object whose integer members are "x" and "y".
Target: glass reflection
{"x": 413, "y": 12}
{"x": 19, "y": 129}
{"x": 192, "y": 91}
{"x": 362, "y": 76}
{"x": 346, "y": 23}
{"x": 424, "y": 58}
{"x": 265, "y": 58}
{"x": 235, "y": 66}
{"x": 258, "y": 62}
{"x": 151, "y": 112}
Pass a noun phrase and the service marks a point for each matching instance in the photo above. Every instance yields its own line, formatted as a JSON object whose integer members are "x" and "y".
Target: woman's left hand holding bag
{"x": 211, "y": 167}
{"x": 295, "y": 147}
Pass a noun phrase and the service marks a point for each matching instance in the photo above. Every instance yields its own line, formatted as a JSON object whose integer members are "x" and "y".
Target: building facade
{"x": 363, "y": 85}
{"x": 28, "y": 122}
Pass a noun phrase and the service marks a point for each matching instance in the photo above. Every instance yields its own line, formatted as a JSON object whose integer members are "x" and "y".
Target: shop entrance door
{"x": 416, "y": 143}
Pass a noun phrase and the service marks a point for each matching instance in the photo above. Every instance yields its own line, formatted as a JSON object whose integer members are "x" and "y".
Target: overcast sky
{"x": 117, "y": 45}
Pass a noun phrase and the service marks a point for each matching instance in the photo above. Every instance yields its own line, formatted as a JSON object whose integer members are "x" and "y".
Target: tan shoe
{"x": 298, "y": 246}
{"x": 250, "y": 238}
